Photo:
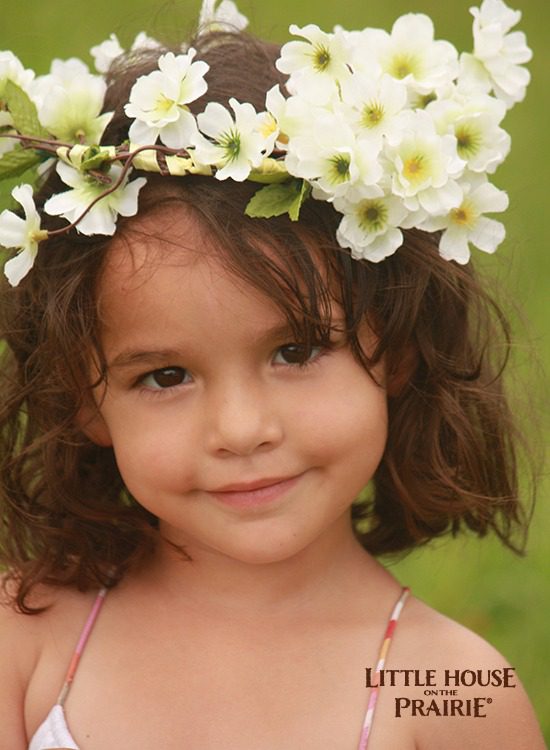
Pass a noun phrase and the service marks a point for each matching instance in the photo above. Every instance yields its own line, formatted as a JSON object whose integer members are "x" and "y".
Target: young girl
{"x": 193, "y": 405}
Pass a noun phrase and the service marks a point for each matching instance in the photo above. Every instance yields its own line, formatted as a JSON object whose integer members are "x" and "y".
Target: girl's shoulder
{"x": 26, "y": 642}
{"x": 461, "y": 690}
{"x": 18, "y": 656}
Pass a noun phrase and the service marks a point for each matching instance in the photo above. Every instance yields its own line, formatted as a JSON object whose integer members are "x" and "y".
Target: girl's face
{"x": 219, "y": 427}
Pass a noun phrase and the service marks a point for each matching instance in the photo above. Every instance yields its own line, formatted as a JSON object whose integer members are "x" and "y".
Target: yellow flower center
{"x": 164, "y": 104}
{"x": 268, "y": 126}
{"x": 339, "y": 168}
{"x": 373, "y": 113}
{"x": 231, "y": 143}
{"x": 415, "y": 168}
{"x": 465, "y": 215}
{"x": 321, "y": 58}
{"x": 373, "y": 215}
{"x": 426, "y": 99}
{"x": 469, "y": 140}
{"x": 403, "y": 65}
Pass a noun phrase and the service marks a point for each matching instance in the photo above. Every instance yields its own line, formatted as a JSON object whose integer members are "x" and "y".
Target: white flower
{"x": 101, "y": 219}
{"x": 424, "y": 166}
{"x": 159, "y": 101}
{"x": 106, "y": 52}
{"x": 65, "y": 70}
{"x": 466, "y": 223}
{"x": 316, "y": 67}
{"x": 225, "y": 17}
{"x": 69, "y": 101}
{"x": 473, "y": 77}
{"x": 294, "y": 115}
{"x": 62, "y": 72}
{"x": 501, "y": 52}
{"x": 238, "y": 144}
{"x": 474, "y": 121}
{"x": 370, "y": 227}
{"x": 410, "y": 54}
{"x": 267, "y": 127}
{"x": 374, "y": 105}
{"x": 330, "y": 156}
{"x": 11, "y": 69}
{"x": 144, "y": 41}
{"x": 360, "y": 46}
{"x": 24, "y": 234}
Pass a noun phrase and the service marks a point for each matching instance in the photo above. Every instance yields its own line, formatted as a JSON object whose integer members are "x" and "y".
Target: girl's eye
{"x": 167, "y": 377}
{"x": 296, "y": 354}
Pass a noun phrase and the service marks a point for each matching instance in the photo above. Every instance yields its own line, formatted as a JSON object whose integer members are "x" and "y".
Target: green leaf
{"x": 15, "y": 162}
{"x": 270, "y": 170}
{"x": 94, "y": 157}
{"x": 266, "y": 178}
{"x": 7, "y": 185}
{"x": 23, "y": 111}
{"x": 305, "y": 191}
{"x": 279, "y": 198}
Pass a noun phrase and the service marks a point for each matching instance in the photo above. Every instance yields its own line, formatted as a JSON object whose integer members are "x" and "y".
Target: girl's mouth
{"x": 254, "y": 494}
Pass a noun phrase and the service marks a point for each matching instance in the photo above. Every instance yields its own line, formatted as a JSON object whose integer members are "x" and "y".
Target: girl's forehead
{"x": 152, "y": 282}
{"x": 161, "y": 236}
{"x": 169, "y": 269}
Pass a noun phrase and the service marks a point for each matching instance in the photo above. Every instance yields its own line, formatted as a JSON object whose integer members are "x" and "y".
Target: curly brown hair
{"x": 450, "y": 460}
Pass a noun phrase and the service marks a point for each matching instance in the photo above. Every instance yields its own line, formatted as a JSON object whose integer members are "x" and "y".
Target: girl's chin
{"x": 262, "y": 553}
{"x": 257, "y": 548}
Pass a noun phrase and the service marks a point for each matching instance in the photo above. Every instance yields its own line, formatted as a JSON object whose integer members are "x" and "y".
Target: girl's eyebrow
{"x": 132, "y": 357}
{"x": 151, "y": 357}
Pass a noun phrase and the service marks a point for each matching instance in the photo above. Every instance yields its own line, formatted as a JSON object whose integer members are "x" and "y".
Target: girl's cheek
{"x": 148, "y": 473}
{"x": 346, "y": 421}
{"x": 155, "y": 454}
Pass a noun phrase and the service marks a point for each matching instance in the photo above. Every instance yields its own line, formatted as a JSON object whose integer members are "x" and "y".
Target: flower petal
{"x": 68, "y": 174}
{"x": 454, "y": 245}
{"x": 127, "y": 205}
{"x": 13, "y": 230}
{"x": 17, "y": 268}
{"x": 180, "y": 134}
{"x": 142, "y": 134}
{"x": 63, "y": 204}
{"x": 487, "y": 234}
{"x": 99, "y": 220}
{"x": 23, "y": 194}
{"x": 215, "y": 120}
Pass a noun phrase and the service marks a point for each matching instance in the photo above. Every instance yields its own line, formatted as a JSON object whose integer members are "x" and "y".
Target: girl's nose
{"x": 243, "y": 420}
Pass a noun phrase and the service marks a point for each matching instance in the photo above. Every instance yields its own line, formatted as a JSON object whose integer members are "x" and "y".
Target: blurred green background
{"x": 504, "y": 598}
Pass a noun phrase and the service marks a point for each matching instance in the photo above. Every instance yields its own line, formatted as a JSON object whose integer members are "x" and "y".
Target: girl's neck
{"x": 332, "y": 567}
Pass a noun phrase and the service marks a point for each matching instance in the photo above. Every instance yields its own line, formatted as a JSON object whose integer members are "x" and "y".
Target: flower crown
{"x": 396, "y": 130}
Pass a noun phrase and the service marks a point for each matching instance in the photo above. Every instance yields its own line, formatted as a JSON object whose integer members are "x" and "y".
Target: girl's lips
{"x": 255, "y": 494}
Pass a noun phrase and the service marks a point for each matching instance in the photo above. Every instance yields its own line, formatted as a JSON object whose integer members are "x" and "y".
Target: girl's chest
{"x": 271, "y": 705}
{"x": 305, "y": 691}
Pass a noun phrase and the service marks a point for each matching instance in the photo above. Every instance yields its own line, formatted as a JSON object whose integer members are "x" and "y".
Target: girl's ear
{"x": 92, "y": 424}
{"x": 401, "y": 370}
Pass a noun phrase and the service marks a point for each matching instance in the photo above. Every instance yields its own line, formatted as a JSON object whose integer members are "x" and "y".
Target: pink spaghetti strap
{"x": 86, "y": 630}
{"x": 373, "y": 698}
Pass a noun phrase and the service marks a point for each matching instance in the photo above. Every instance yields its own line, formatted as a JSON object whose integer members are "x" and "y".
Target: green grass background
{"x": 504, "y": 598}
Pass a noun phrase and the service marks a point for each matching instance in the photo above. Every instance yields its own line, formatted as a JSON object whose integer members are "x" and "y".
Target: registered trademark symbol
{"x": 489, "y": 700}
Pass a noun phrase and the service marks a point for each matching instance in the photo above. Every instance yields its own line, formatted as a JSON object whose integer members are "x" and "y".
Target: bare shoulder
{"x": 23, "y": 638}
{"x": 470, "y": 694}
{"x": 19, "y": 654}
